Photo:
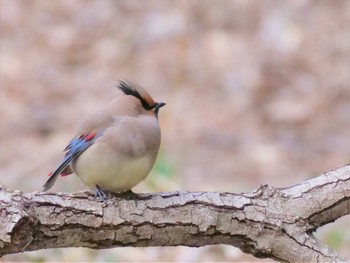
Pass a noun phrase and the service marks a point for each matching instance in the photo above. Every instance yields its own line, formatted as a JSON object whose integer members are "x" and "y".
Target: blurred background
{"x": 257, "y": 93}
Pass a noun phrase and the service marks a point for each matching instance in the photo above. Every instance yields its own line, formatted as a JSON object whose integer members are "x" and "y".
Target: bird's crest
{"x": 138, "y": 92}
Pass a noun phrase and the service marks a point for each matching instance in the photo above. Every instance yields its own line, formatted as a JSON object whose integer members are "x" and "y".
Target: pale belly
{"x": 112, "y": 172}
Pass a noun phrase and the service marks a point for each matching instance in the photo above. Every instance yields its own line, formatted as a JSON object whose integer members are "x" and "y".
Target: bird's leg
{"x": 128, "y": 195}
{"x": 100, "y": 194}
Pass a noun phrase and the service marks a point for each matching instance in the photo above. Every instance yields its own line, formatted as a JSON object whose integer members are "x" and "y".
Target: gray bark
{"x": 269, "y": 222}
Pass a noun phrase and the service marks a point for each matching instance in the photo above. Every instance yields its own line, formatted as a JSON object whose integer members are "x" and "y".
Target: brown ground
{"x": 257, "y": 93}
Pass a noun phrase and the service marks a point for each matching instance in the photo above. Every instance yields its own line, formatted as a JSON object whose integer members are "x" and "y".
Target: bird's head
{"x": 142, "y": 95}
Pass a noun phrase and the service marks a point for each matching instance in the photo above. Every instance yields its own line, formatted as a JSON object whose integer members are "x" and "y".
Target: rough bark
{"x": 269, "y": 222}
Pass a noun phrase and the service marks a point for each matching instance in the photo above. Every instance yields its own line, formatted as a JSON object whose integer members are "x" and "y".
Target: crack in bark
{"x": 315, "y": 220}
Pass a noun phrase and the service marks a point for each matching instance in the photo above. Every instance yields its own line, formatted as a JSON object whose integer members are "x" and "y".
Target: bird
{"x": 116, "y": 147}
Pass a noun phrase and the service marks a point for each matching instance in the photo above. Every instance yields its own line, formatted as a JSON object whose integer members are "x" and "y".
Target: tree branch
{"x": 269, "y": 222}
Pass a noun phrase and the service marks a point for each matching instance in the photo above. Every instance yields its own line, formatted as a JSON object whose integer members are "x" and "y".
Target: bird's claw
{"x": 100, "y": 194}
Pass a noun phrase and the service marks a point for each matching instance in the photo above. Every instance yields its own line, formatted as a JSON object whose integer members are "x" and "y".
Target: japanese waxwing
{"x": 116, "y": 147}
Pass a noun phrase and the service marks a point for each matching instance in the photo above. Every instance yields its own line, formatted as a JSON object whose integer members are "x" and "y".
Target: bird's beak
{"x": 159, "y": 105}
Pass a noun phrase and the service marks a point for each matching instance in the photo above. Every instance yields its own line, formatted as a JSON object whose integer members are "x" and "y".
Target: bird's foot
{"x": 128, "y": 195}
{"x": 100, "y": 194}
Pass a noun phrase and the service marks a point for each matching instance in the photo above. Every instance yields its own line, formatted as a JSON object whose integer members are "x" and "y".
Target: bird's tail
{"x": 53, "y": 177}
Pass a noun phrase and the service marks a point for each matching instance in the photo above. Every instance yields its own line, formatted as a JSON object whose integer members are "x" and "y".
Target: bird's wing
{"x": 75, "y": 147}
{"x": 92, "y": 128}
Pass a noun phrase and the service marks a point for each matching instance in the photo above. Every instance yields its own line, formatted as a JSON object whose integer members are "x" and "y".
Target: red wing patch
{"x": 90, "y": 136}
